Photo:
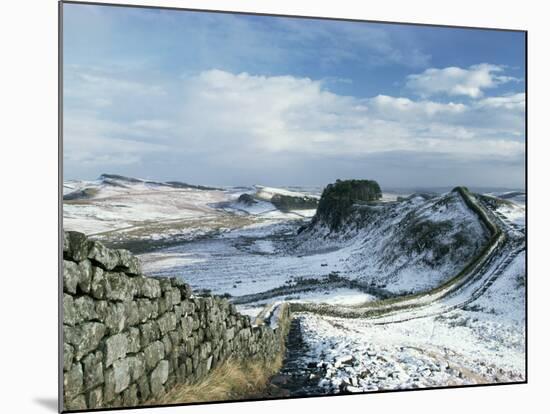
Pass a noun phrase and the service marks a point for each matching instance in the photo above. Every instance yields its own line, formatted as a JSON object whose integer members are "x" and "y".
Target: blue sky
{"x": 235, "y": 99}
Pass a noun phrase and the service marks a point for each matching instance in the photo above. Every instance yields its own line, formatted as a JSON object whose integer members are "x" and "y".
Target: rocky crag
{"x": 337, "y": 200}
{"x": 129, "y": 338}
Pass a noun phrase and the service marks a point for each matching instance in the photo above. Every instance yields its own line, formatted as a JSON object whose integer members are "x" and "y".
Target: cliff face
{"x": 129, "y": 338}
{"x": 338, "y": 198}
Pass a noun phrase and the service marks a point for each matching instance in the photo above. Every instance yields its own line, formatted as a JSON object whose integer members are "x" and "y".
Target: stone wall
{"x": 129, "y": 338}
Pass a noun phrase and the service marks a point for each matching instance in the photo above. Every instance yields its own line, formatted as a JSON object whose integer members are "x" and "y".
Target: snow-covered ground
{"x": 331, "y": 296}
{"x": 514, "y": 213}
{"x": 266, "y": 193}
{"x": 404, "y": 247}
{"x": 139, "y": 208}
{"x": 124, "y": 209}
{"x": 231, "y": 247}
{"x": 483, "y": 342}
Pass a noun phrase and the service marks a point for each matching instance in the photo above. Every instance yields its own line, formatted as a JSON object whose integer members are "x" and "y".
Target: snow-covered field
{"x": 128, "y": 209}
{"x": 253, "y": 250}
{"x": 483, "y": 342}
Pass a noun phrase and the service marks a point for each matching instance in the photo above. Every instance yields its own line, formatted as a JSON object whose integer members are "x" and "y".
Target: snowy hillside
{"x": 404, "y": 246}
{"x": 388, "y": 254}
{"x": 138, "y": 212}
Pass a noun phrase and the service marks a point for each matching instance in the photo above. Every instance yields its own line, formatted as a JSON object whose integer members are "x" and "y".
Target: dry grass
{"x": 232, "y": 380}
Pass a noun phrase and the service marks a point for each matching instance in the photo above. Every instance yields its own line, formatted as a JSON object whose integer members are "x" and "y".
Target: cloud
{"x": 512, "y": 102}
{"x": 454, "y": 81}
{"x": 398, "y": 108}
{"x": 233, "y": 126}
{"x": 271, "y": 115}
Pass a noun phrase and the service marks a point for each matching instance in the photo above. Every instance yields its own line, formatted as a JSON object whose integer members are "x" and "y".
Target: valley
{"x": 407, "y": 290}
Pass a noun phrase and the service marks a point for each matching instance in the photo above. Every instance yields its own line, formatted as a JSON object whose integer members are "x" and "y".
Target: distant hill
{"x": 83, "y": 190}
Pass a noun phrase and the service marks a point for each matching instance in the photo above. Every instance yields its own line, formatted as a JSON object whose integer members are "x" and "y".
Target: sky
{"x": 227, "y": 99}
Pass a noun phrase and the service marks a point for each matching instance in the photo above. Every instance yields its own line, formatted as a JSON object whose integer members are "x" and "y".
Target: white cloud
{"x": 281, "y": 114}
{"x": 513, "y": 102}
{"x": 398, "y": 108}
{"x": 454, "y": 81}
{"x": 227, "y": 122}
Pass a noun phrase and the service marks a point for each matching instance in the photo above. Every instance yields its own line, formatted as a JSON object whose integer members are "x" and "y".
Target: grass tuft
{"x": 232, "y": 380}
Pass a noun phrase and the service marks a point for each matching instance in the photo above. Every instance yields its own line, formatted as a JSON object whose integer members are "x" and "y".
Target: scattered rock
{"x": 247, "y": 199}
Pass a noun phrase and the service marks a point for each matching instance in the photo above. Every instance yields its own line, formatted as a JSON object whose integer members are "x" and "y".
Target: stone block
{"x": 148, "y": 287}
{"x": 116, "y": 347}
{"x": 167, "y": 322}
{"x": 159, "y": 376}
{"x": 76, "y": 246}
{"x": 73, "y": 381}
{"x": 102, "y": 256}
{"x": 119, "y": 287}
{"x": 153, "y": 353}
{"x": 95, "y": 398}
{"x": 93, "y": 370}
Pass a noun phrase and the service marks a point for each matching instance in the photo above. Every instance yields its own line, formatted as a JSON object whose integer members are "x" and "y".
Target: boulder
{"x": 65, "y": 244}
{"x": 145, "y": 309}
{"x": 167, "y": 342}
{"x": 117, "y": 379}
{"x": 246, "y": 199}
{"x": 344, "y": 360}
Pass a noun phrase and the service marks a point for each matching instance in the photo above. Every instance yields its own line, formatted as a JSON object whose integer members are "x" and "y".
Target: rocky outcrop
{"x": 337, "y": 200}
{"x": 129, "y": 338}
{"x": 286, "y": 200}
{"x": 246, "y": 199}
{"x": 287, "y": 203}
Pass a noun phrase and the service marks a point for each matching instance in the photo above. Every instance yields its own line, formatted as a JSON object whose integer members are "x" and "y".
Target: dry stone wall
{"x": 129, "y": 338}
